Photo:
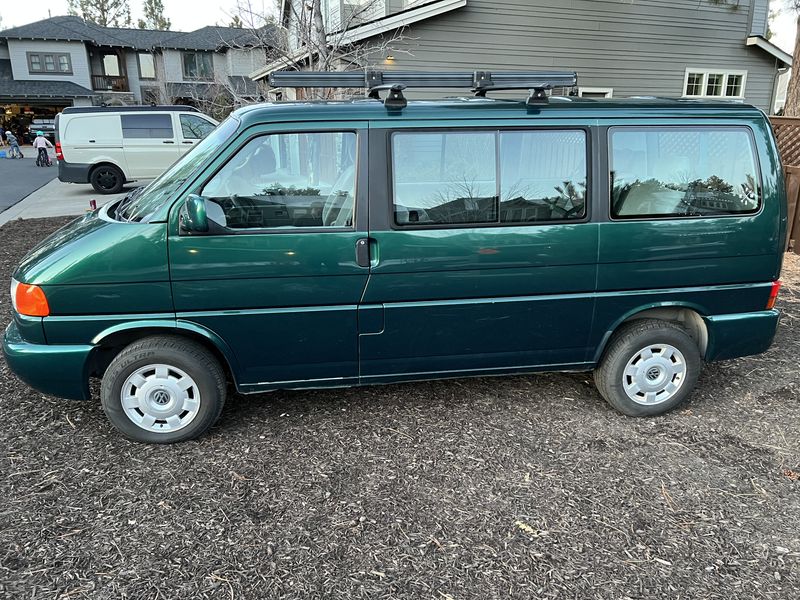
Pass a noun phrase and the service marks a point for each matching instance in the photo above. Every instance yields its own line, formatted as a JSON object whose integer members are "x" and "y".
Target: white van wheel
{"x": 107, "y": 179}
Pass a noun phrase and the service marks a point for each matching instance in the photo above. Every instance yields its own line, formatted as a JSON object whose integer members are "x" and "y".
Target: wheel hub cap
{"x": 160, "y": 398}
{"x": 654, "y": 374}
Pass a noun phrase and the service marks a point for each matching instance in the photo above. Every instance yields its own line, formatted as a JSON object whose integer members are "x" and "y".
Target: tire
{"x": 649, "y": 367}
{"x": 163, "y": 407}
{"x": 107, "y": 179}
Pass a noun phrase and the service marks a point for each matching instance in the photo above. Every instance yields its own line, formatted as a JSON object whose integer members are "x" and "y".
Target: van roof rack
{"x": 394, "y": 82}
{"x": 130, "y": 108}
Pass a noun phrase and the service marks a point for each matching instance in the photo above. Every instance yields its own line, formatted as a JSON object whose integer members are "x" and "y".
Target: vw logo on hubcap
{"x": 161, "y": 397}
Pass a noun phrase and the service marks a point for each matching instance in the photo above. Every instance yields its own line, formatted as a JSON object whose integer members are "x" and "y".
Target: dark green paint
{"x": 294, "y": 309}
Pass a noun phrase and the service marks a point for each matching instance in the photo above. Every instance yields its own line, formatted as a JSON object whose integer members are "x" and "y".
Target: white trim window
{"x": 716, "y": 83}
{"x": 595, "y": 92}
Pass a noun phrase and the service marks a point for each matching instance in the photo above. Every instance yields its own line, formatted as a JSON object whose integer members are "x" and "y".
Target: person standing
{"x": 2, "y": 137}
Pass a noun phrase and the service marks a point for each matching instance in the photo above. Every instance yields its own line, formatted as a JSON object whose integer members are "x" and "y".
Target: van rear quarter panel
{"x": 708, "y": 264}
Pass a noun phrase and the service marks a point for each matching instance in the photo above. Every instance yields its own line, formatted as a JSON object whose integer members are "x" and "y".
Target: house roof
{"x": 73, "y": 28}
{"x": 770, "y": 48}
{"x": 11, "y": 88}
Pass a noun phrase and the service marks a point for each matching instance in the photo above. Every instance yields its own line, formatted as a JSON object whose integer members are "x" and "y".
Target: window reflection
{"x": 287, "y": 180}
{"x": 682, "y": 172}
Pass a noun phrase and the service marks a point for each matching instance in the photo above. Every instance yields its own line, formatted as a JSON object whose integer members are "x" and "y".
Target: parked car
{"x": 308, "y": 245}
{"x": 108, "y": 146}
{"x": 46, "y": 126}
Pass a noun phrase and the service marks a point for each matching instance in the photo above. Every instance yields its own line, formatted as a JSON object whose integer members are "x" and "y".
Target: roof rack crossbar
{"x": 479, "y": 82}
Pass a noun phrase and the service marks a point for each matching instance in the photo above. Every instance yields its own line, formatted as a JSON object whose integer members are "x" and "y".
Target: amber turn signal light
{"x": 29, "y": 300}
{"x": 773, "y": 295}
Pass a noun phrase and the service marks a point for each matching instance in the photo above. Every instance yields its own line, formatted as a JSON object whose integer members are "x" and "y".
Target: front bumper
{"x": 744, "y": 334}
{"x": 58, "y": 370}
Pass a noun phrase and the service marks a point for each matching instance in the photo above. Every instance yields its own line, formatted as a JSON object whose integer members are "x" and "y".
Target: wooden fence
{"x": 787, "y": 132}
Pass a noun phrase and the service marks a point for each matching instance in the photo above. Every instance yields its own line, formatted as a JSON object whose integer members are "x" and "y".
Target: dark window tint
{"x": 287, "y": 180}
{"x": 195, "y": 128}
{"x": 444, "y": 178}
{"x": 147, "y": 126}
{"x": 682, "y": 172}
{"x": 542, "y": 176}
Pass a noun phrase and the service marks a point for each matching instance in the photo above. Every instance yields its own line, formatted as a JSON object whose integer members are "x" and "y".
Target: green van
{"x": 325, "y": 244}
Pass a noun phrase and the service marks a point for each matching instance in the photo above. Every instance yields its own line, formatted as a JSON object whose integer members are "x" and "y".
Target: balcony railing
{"x": 109, "y": 83}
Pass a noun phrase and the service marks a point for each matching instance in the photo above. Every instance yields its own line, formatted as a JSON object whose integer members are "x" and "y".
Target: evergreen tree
{"x": 107, "y": 13}
{"x": 154, "y": 16}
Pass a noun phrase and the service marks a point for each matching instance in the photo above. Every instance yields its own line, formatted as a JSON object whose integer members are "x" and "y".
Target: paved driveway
{"x": 18, "y": 178}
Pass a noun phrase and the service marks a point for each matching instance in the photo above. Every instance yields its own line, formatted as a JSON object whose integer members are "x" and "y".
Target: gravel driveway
{"x": 517, "y": 487}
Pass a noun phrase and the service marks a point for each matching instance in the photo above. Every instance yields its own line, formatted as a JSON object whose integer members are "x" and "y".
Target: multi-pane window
{"x": 682, "y": 172}
{"x": 714, "y": 84}
{"x": 285, "y": 181}
{"x": 489, "y": 177}
{"x": 198, "y": 65}
{"x": 56, "y": 63}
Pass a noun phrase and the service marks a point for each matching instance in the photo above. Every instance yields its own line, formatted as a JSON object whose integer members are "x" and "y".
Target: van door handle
{"x": 167, "y": 142}
{"x": 188, "y": 142}
{"x": 91, "y": 141}
{"x": 362, "y": 252}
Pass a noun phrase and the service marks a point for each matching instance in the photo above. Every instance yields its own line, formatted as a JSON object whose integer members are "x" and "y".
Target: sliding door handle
{"x": 362, "y": 252}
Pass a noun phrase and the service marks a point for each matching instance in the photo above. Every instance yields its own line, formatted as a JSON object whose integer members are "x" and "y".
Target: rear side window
{"x": 683, "y": 172}
{"x": 488, "y": 177}
{"x": 146, "y": 126}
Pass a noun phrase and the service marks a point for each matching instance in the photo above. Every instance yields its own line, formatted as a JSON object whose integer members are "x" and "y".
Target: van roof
{"x": 71, "y": 110}
{"x": 495, "y": 108}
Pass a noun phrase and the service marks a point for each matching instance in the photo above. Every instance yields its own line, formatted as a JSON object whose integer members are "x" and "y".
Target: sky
{"x": 187, "y": 15}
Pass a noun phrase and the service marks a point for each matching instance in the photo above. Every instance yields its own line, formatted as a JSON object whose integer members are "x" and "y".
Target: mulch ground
{"x": 517, "y": 487}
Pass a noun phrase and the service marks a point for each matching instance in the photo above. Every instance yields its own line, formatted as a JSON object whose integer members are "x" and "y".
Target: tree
{"x": 236, "y": 21}
{"x": 107, "y": 13}
{"x": 312, "y": 39}
{"x": 154, "y": 16}
{"x": 792, "y": 107}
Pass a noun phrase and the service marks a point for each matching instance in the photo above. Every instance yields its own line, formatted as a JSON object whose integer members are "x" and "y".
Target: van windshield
{"x": 141, "y": 203}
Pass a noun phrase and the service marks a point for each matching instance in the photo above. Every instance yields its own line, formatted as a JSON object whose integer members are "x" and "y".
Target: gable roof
{"x": 74, "y": 29}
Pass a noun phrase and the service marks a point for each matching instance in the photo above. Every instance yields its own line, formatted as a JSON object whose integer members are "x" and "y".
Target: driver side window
{"x": 284, "y": 181}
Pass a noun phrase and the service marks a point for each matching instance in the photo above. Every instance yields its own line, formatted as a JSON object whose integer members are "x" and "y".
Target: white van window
{"x": 682, "y": 172}
{"x": 194, "y": 127}
{"x": 147, "y": 125}
{"x": 288, "y": 180}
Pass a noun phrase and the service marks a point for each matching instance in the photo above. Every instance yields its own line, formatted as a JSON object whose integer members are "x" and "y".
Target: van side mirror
{"x": 194, "y": 217}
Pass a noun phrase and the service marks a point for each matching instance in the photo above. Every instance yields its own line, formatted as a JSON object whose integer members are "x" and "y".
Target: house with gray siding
{"x": 66, "y": 61}
{"x": 676, "y": 48}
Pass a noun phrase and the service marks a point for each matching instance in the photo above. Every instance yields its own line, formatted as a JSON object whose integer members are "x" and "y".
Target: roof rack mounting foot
{"x": 394, "y": 99}
{"x": 537, "y": 96}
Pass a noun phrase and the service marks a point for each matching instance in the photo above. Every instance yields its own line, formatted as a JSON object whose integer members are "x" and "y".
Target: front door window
{"x": 287, "y": 181}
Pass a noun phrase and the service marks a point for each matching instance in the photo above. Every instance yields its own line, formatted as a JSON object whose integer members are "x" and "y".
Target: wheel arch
{"x": 108, "y": 343}
{"x": 689, "y": 316}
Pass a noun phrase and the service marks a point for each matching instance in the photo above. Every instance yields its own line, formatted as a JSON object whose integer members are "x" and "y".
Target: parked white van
{"x": 110, "y": 145}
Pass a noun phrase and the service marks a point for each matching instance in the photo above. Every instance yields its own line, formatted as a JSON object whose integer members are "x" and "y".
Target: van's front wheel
{"x": 163, "y": 389}
{"x": 107, "y": 179}
{"x": 649, "y": 368}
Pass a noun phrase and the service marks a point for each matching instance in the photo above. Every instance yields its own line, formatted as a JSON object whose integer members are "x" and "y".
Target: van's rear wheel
{"x": 649, "y": 368}
{"x": 107, "y": 179}
{"x": 163, "y": 389}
